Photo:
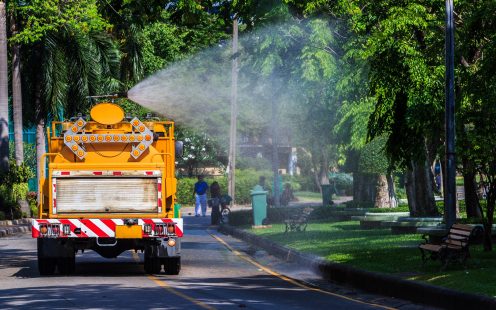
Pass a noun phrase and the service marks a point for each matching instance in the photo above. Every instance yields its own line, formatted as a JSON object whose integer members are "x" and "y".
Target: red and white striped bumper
{"x": 103, "y": 228}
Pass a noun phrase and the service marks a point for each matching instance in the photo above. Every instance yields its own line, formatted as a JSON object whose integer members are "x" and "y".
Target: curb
{"x": 370, "y": 281}
{"x": 6, "y": 231}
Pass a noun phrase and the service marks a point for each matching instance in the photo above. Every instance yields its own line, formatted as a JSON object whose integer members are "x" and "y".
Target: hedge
{"x": 245, "y": 181}
{"x": 278, "y": 215}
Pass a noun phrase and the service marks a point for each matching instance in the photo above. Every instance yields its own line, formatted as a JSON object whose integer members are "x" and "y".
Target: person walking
{"x": 215, "y": 197}
{"x": 200, "y": 193}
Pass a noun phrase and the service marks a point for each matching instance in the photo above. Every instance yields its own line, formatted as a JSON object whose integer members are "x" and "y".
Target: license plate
{"x": 128, "y": 232}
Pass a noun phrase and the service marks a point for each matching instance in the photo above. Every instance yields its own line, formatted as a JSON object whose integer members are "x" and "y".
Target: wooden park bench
{"x": 453, "y": 247}
{"x": 298, "y": 221}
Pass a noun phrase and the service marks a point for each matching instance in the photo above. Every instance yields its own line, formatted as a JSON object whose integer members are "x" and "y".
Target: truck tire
{"x": 172, "y": 265}
{"x": 66, "y": 265}
{"x": 152, "y": 265}
{"x": 46, "y": 266}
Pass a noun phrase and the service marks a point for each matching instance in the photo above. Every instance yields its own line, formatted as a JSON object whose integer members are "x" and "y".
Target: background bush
{"x": 278, "y": 215}
{"x": 245, "y": 181}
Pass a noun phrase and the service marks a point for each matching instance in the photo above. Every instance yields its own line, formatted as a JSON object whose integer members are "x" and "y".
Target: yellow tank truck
{"x": 109, "y": 186}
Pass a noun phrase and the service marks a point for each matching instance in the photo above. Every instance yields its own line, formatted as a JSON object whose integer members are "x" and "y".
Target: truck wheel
{"x": 66, "y": 265}
{"x": 172, "y": 265}
{"x": 46, "y": 266}
{"x": 152, "y": 265}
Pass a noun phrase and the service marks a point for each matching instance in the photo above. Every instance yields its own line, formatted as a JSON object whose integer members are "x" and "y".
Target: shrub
{"x": 306, "y": 183}
{"x": 343, "y": 182}
{"x": 33, "y": 206}
{"x": 245, "y": 181}
{"x": 2, "y": 216}
{"x": 355, "y": 204}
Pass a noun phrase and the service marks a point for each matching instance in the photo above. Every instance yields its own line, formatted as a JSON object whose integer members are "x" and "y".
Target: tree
{"x": 17, "y": 93}
{"x": 200, "y": 152}
{"x": 4, "y": 101}
{"x": 476, "y": 95}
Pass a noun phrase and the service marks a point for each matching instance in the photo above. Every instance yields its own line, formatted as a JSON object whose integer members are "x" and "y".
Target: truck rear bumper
{"x": 108, "y": 228}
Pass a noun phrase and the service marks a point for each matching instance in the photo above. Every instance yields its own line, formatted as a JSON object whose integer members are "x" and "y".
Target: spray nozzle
{"x": 116, "y": 95}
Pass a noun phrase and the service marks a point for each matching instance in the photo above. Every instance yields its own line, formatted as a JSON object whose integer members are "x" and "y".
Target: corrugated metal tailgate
{"x": 106, "y": 195}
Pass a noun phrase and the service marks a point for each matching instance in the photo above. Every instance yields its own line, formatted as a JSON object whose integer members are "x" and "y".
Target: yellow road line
{"x": 172, "y": 290}
{"x": 296, "y": 283}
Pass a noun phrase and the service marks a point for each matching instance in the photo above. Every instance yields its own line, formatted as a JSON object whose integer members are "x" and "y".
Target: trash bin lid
{"x": 258, "y": 190}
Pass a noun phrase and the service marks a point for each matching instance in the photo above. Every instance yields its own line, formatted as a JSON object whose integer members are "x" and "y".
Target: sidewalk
{"x": 11, "y": 227}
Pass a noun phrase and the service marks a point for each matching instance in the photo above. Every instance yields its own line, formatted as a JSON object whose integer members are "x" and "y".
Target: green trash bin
{"x": 259, "y": 204}
{"x": 177, "y": 210}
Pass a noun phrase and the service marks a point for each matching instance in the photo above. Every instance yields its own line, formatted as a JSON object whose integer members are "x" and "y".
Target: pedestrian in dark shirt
{"x": 200, "y": 193}
{"x": 215, "y": 197}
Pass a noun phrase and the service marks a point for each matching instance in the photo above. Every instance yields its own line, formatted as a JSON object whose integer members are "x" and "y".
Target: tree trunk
{"x": 393, "y": 203}
{"x": 17, "y": 96}
{"x": 324, "y": 167}
{"x": 382, "y": 192}
{"x": 488, "y": 223}
{"x": 470, "y": 187}
{"x": 4, "y": 100}
{"x": 419, "y": 190}
{"x": 40, "y": 148}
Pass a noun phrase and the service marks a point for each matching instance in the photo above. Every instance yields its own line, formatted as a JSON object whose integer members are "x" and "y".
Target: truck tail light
{"x": 43, "y": 229}
{"x": 171, "y": 229}
{"x": 147, "y": 228}
{"x": 160, "y": 229}
{"x": 50, "y": 230}
{"x": 66, "y": 229}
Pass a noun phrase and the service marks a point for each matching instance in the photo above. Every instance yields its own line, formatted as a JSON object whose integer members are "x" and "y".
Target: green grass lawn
{"x": 378, "y": 250}
{"x": 308, "y": 196}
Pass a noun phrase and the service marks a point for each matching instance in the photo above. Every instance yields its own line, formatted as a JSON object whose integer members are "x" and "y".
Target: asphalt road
{"x": 218, "y": 272}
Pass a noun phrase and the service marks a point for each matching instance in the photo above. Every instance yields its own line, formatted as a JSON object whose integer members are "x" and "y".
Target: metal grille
{"x": 106, "y": 195}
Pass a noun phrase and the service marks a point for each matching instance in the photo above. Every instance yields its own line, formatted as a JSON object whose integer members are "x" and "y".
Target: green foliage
{"x": 29, "y": 154}
{"x": 33, "y": 203}
{"x": 14, "y": 187}
{"x": 17, "y": 174}
{"x": 245, "y": 181}
{"x": 342, "y": 182}
{"x": 373, "y": 158}
{"x": 2, "y": 216}
{"x": 199, "y": 151}
{"x": 306, "y": 182}
{"x": 252, "y": 163}
{"x": 401, "y": 208}
{"x": 43, "y": 16}
{"x": 184, "y": 192}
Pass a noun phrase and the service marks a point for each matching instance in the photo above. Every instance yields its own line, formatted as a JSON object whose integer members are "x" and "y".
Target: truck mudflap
{"x": 131, "y": 228}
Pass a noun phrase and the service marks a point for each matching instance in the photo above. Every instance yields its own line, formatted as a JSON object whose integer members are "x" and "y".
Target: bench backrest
{"x": 459, "y": 235}
{"x": 306, "y": 212}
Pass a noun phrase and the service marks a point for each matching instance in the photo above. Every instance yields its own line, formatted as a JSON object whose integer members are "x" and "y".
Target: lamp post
{"x": 234, "y": 112}
{"x": 450, "y": 182}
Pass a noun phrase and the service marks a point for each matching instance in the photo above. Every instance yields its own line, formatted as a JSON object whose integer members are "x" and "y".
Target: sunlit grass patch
{"x": 380, "y": 251}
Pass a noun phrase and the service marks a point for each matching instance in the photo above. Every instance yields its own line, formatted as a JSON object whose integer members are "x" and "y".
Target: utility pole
{"x": 275, "y": 142}
{"x": 234, "y": 111}
{"x": 450, "y": 181}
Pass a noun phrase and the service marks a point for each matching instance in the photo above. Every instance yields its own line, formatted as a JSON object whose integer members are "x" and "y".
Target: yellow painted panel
{"x": 107, "y": 113}
{"x": 128, "y": 232}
